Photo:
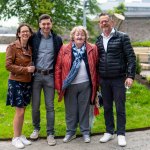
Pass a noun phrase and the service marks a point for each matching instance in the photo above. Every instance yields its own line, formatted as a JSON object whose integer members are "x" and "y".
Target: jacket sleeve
{"x": 60, "y": 42}
{"x": 58, "y": 71}
{"x": 97, "y": 61}
{"x": 129, "y": 57}
{"x": 10, "y": 62}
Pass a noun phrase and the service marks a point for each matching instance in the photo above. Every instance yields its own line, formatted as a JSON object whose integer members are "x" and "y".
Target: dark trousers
{"x": 114, "y": 90}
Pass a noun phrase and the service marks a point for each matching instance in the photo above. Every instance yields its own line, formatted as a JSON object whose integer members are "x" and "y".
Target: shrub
{"x": 138, "y": 65}
{"x": 141, "y": 44}
{"x": 148, "y": 79}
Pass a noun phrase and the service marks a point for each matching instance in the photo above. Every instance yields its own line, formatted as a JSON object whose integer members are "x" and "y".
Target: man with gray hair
{"x": 117, "y": 70}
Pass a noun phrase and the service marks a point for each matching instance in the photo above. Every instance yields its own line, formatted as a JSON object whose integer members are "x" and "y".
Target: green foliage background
{"x": 65, "y": 13}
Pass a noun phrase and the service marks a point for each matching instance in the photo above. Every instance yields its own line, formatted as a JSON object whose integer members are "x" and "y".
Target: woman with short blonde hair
{"x": 76, "y": 80}
{"x": 79, "y": 28}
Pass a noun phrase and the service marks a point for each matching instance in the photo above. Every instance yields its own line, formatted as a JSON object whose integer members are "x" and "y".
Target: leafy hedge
{"x": 141, "y": 44}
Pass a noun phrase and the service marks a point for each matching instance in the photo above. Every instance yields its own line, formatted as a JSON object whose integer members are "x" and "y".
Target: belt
{"x": 44, "y": 72}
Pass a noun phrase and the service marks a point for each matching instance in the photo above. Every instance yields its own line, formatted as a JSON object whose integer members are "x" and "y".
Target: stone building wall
{"x": 137, "y": 28}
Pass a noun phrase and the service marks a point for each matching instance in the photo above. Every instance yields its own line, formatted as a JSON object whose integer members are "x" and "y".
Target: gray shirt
{"x": 45, "y": 57}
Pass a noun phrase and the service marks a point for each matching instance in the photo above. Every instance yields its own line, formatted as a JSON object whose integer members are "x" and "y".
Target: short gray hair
{"x": 76, "y": 29}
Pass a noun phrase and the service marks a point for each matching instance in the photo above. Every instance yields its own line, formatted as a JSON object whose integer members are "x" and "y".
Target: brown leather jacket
{"x": 17, "y": 61}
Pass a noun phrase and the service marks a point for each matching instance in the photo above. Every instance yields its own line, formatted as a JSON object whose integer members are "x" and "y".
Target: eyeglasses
{"x": 104, "y": 21}
{"x": 25, "y": 31}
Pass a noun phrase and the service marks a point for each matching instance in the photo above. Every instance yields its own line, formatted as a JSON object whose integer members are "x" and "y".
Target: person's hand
{"x": 128, "y": 82}
{"x": 31, "y": 69}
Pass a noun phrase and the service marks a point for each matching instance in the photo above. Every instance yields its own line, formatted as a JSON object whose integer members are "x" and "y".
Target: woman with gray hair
{"x": 76, "y": 80}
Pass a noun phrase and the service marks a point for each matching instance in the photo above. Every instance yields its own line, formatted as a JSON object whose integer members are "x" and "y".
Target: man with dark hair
{"x": 117, "y": 70}
{"x": 45, "y": 44}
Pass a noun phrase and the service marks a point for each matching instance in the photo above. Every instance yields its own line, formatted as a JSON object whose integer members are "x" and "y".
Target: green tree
{"x": 65, "y": 13}
{"x": 120, "y": 9}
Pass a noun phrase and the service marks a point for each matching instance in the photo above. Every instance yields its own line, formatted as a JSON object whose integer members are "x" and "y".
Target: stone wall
{"x": 137, "y": 28}
{"x": 6, "y": 39}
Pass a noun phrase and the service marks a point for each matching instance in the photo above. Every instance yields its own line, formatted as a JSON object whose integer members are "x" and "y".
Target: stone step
{"x": 145, "y": 66}
{"x": 143, "y": 53}
{"x": 141, "y": 49}
{"x": 144, "y": 57}
{"x": 145, "y": 73}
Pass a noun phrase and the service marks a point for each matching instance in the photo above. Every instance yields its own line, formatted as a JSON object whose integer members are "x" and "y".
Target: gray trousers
{"x": 77, "y": 104}
{"x": 45, "y": 82}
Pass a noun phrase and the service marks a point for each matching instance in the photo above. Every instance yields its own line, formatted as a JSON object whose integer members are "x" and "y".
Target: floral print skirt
{"x": 19, "y": 93}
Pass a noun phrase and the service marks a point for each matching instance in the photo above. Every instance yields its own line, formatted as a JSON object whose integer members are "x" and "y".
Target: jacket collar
{"x": 111, "y": 33}
{"x": 40, "y": 35}
{"x": 18, "y": 45}
{"x": 88, "y": 47}
{"x": 115, "y": 34}
{"x": 69, "y": 47}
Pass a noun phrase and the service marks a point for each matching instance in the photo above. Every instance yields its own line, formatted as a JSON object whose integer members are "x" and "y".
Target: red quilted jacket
{"x": 63, "y": 66}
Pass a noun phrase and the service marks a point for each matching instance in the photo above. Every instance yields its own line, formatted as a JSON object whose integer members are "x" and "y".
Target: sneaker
{"x": 50, "y": 140}
{"x": 24, "y": 140}
{"x": 68, "y": 138}
{"x": 34, "y": 135}
{"x": 122, "y": 140}
{"x": 17, "y": 142}
{"x": 106, "y": 137}
{"x": 86, "y": 138}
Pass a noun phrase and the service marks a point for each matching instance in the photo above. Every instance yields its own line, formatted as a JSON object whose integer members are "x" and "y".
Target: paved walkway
{"x": 139, "y": 140}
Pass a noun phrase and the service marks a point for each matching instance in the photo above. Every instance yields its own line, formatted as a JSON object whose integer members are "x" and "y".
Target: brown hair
{"x": 19, "y": 28}
{"x": 45, "y": 16}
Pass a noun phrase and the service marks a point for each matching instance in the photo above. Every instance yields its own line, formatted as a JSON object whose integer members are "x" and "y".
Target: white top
{"x": 107, "y": 38}
{"x": 82, "y": 75}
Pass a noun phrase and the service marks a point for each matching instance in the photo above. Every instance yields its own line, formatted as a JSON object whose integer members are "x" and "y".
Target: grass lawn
{"x": 137, "y": 104}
